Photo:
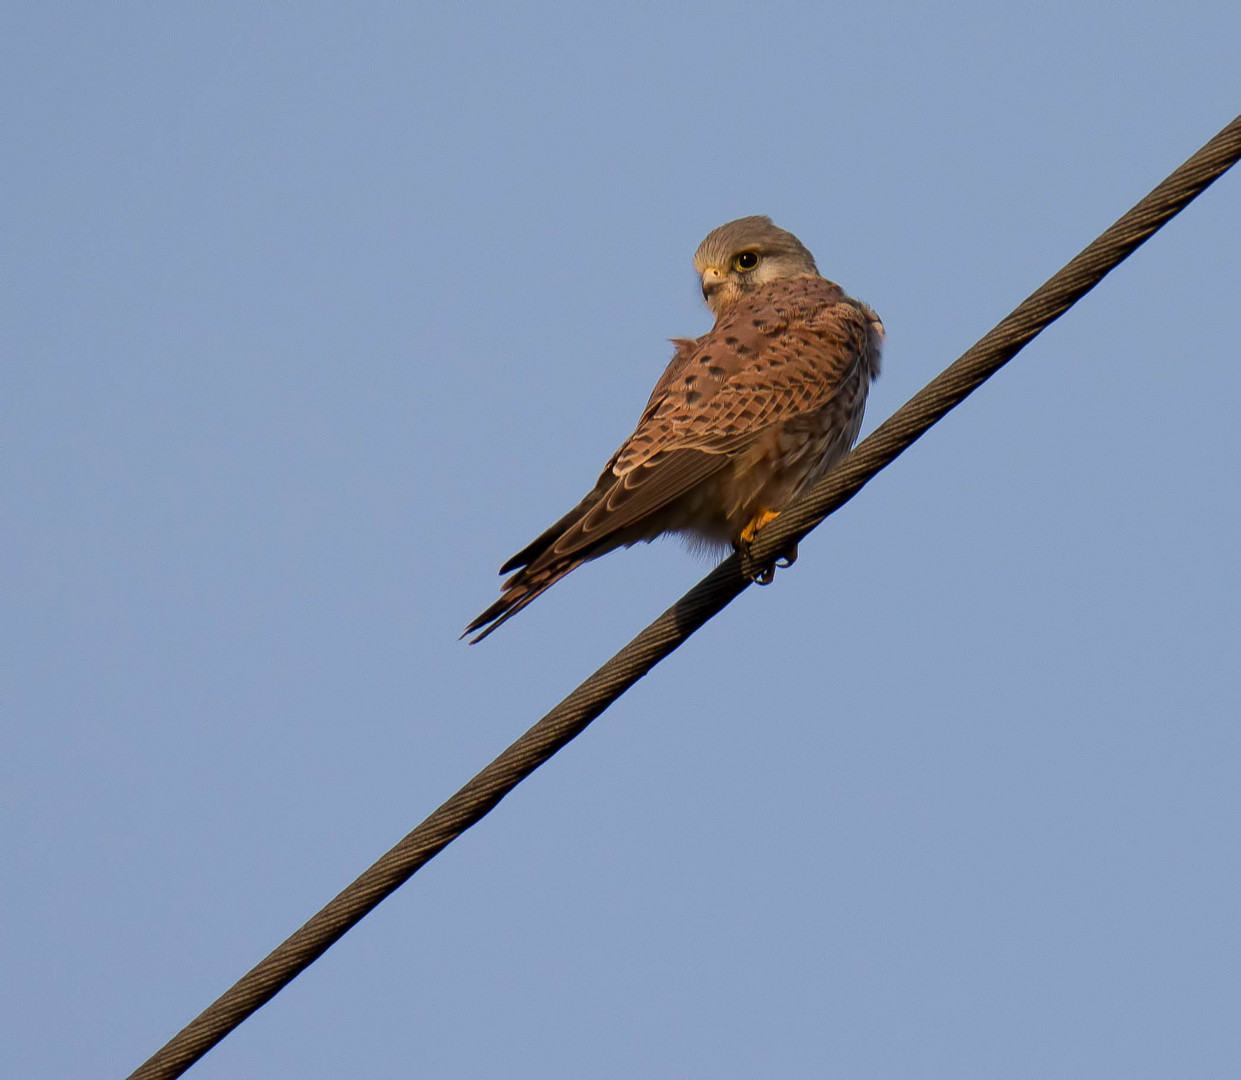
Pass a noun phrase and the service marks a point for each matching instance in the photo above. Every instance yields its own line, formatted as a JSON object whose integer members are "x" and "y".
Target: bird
{"x": 743, "y": 418}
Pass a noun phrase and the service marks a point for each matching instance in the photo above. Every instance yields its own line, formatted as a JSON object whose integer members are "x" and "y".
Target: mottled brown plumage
{"x": 742, "y": 418}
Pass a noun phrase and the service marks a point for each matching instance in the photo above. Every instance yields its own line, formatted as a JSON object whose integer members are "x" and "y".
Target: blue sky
{"x": 315, "y": 315}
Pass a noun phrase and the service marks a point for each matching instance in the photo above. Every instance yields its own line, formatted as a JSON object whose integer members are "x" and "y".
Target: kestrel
{"x": 742, "y": 419}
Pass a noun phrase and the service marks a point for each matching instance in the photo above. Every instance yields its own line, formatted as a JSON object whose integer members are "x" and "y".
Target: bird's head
{"x": 744, "y": 254}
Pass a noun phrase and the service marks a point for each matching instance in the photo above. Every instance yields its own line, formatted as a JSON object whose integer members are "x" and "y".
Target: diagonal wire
{"x": 708, "y": 597}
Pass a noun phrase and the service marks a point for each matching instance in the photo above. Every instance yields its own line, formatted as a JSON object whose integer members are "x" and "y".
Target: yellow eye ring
{"x": 747, "y": 260}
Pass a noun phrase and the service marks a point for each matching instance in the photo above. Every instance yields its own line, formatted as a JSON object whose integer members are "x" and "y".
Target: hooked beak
{"x": 712, "y": 278}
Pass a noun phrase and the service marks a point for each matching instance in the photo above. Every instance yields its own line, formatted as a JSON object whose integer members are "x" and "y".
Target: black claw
{"x": 787, "y": 558}
{"x": 764, "y": 575}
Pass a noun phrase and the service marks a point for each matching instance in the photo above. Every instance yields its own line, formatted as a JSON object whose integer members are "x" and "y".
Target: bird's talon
{"x": 787, "y": 558}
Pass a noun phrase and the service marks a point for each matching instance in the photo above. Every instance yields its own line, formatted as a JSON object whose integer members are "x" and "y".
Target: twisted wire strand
{"x": 728, "y": 580}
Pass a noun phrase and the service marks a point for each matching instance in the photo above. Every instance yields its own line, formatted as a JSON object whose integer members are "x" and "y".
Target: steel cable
{"x": 707, "y": 598}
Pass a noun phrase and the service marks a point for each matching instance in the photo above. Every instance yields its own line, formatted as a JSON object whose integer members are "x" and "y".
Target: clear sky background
{"x": 314, "y": 314}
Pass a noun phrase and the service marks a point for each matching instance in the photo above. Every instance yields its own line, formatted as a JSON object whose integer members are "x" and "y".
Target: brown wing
{"x": 782, "y": 354}
{"x": 607, "y": 480}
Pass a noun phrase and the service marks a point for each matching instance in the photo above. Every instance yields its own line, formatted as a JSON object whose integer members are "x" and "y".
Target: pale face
{"x": 746, "y": 254}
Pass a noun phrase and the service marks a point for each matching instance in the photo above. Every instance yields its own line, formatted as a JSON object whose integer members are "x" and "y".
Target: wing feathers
{"x": 595, "y": 525}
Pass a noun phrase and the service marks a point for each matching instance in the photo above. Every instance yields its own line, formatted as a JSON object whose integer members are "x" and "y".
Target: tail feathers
{"x": 538, "y": 568}
{"x": 548, "y": 537}
{"x": 517, "y": 592}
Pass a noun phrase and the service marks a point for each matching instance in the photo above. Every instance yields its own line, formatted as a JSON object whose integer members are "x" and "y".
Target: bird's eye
{"x": 747, "y": 260}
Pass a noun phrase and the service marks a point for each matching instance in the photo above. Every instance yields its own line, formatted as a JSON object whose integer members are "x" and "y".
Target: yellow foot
{"x": 757, "y": 522}
{"x": 764, "y": 575}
